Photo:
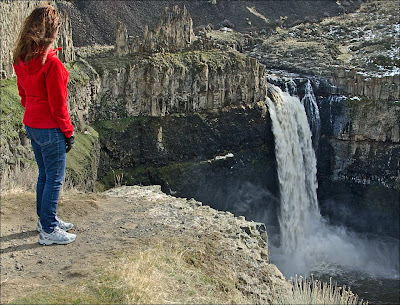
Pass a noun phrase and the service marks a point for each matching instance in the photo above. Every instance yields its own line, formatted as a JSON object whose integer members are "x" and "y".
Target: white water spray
{"x": 308, "y": 243}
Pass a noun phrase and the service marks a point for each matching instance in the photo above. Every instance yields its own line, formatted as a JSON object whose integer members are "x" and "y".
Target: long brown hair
{"x": 37, "y": 34}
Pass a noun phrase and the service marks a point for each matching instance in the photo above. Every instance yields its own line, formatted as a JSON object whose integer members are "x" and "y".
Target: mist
{"x": 334, "y": 249}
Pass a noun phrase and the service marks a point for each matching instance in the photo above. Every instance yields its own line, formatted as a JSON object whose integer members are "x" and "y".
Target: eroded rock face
{"x": 175, "y": 83}
{"x": 385, "y": 87}
{"x": 12, "y": 16}
{"x": 67, "y": 53}
{"x": 163, "y": 119}
{"x": 121, "y": 40}
{"x": 173, "y": 32}
{"x": 83, "y": 89}
{"x": 358, "y": 163}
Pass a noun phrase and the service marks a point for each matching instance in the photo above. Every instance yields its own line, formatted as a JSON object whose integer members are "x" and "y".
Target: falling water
{"x": 295, "y": 157}
{"x": 310, "y": 105}
{"x": 307, "y": 242}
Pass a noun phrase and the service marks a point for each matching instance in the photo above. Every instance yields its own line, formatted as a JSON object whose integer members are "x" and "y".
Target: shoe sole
{"x": 50, "y": 242}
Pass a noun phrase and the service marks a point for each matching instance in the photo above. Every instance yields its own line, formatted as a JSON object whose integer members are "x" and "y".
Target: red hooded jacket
{"x": 43, "y": 91}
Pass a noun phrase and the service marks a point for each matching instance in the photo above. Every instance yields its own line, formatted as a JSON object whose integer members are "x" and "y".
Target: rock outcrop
{"x": 175, "y": 83}
{"x": 121, "y": 46}
{"x": 83, "y": 90}
{"x": 67, "y": 53}
{"x": 375, "y": 87}
{"x": 246, "y": 241}
{"x": 173, "y": 32}
{"x": 12, "y": 15}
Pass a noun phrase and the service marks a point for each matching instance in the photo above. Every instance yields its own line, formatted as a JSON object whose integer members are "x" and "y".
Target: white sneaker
{"x": 66, "y": 226}
{"x": 58, "y": 236}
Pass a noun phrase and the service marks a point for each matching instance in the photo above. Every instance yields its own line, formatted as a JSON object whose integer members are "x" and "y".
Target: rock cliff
{"x": 375, "y": 87}
{"x": 216, "y": 156}
{"x": 180, "y": 111}
{"x": 169, "y": 83}
{"x": 173, "y": 32}
{"x": 358, "y": 164}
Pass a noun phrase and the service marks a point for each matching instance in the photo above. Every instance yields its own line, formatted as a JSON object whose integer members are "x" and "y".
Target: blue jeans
{"x": 49, "y": 148}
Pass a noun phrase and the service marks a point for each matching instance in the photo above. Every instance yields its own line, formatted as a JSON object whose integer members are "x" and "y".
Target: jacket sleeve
{"x": 56, "y": 84}
{"x": 21, "y": 92}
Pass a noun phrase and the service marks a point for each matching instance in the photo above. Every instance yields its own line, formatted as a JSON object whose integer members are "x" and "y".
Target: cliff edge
{"x": 136, "y": 245}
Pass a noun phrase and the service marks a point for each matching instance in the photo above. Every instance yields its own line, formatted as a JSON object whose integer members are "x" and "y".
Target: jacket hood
{"x": 35, "y": 64}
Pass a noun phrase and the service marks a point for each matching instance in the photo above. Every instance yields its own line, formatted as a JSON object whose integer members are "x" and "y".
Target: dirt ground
{"x": 100, "y": 224}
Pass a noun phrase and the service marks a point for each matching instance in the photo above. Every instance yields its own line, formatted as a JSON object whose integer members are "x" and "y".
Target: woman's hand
{"x": 69, "y": 142}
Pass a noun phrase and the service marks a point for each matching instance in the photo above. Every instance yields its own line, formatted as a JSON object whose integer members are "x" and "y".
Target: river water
{"x": 307, "y": 243}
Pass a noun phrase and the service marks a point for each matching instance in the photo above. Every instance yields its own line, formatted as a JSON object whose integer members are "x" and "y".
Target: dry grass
{"x": 310, "y": 291}
{"x": 167, "y": 271}
{"x": 176, "y": 271}
{"x": 21, "y": 179}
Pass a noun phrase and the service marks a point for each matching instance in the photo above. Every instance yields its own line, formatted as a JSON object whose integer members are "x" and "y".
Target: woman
{"x": 42, "y": 85}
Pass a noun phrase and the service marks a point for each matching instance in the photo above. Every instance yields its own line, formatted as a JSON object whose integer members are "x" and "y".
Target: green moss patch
{"x": 82, "y": 160}
{"x": 77, "y": 73}
{"x": 12, "y": 111}
{"x": 147, "y": 175}
{"x": 119, "y": 125}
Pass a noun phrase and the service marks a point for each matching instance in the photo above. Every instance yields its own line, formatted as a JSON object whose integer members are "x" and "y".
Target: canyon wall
{"x": 164, "y": 84}
{"x": 375, "y": 87}
{"x": 359, "y": 161}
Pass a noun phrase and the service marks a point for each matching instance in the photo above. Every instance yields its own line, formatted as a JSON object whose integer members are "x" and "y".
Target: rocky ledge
{"x": 241, "y": 241}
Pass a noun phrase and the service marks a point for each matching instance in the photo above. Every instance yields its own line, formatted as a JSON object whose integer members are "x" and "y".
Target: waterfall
{"x": 307, "y": 242}
{"x": 310, "y": 104}
{"x": 296, "y": 161}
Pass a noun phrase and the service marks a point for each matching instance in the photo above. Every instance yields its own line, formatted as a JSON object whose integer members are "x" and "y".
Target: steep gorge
{"x": 196, "y": 123}
{"x": 163, "y": 120}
